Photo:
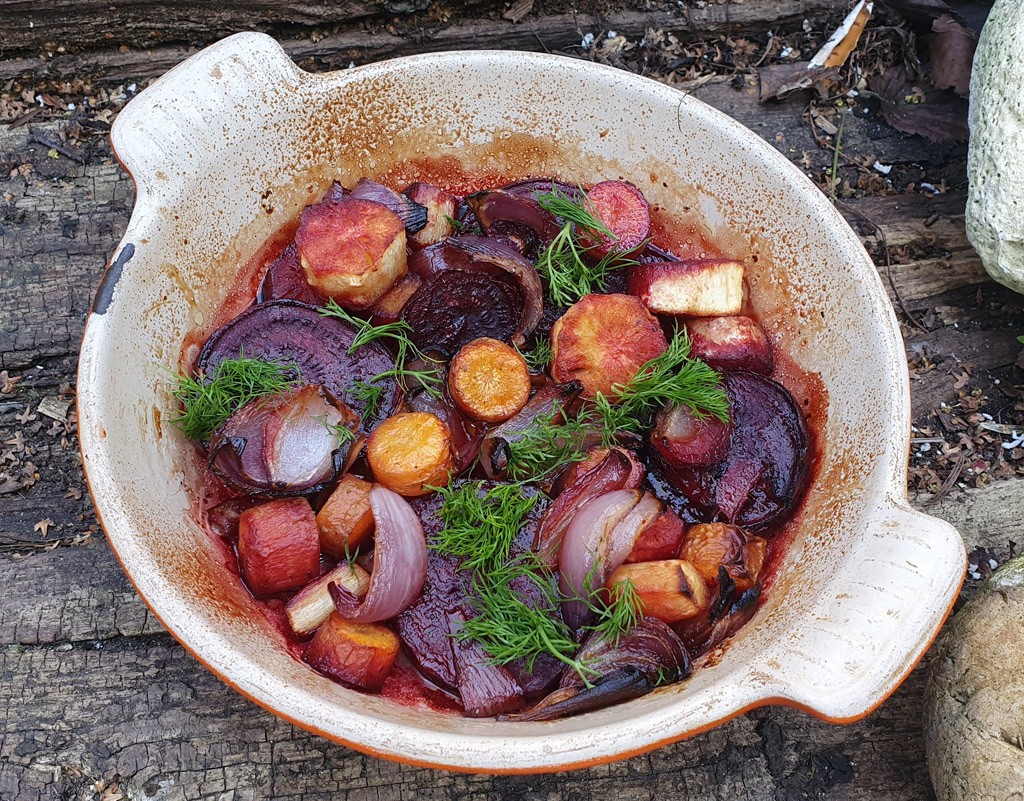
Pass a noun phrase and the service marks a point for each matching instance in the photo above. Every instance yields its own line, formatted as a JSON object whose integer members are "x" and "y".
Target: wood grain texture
{"x": 96, "y": 698}
{"x": 125, "y": 56}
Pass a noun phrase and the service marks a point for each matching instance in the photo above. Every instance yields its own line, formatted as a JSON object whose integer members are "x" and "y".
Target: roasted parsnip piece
{"x": 352, "y": 251}
{"x": 671, "y": 590}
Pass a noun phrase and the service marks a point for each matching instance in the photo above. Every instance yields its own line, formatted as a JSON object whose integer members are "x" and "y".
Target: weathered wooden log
{"x": 128, "y": 56}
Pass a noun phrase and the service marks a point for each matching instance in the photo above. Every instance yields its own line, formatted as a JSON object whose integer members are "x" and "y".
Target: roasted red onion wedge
{"x": 595, "y": 456}
{"x": 545, "y": 401}
{"x": 682, "y": 439}
{"x": 517, "y": 219}
{"x": 441, "y": 208}
{"x": 286, "y": 280}
{"x": 495, "y": 259}
{"x": 611, "y": 473}
{"x": 289, "y": 332}
{"x": 531, "y": 187}
{"x": 766, "y": 468}
{"x": 647, "y": 656}
{"x": 729, "y": 611}
{"x": 598, "y": 540}
{"x": 289, "y": 444}
{"x": 660, "y": 540}
{"x": 223, "y": 518}
{"x": 411, "y": 213}
{"x": 399, "y": 562}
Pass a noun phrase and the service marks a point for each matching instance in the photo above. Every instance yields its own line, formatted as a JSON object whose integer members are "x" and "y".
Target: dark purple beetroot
{"x": 457, "y": 306}
{"x": 426, "y": 626}
{"x": 286, "y": 280}
{"x": 486, "y": 689}
{"x": 292, "y": 332}
{"x": 766, "y": 468}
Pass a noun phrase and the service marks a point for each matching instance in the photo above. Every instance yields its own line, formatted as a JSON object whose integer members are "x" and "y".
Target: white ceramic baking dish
{"x": 228, "y": 147}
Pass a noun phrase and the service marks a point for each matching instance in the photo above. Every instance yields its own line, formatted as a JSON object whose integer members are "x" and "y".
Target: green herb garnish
{"x": 561, "y": 264}
{"x": 341, "y": 433}
{"x": 398, "y": 334}
{"x": 672, "y": 378}
{"x": 548, "y": 444}
{"x": 369, "y": 394}
{"x": 207, "y": 404}
{"x": 539, "y": 357}
{"x": 480, "y": 527}
{"x": 618, "y": 614}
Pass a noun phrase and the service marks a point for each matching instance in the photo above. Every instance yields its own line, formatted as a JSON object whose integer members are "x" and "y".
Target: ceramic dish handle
{"x": 904, "y": 576}
{"x": 165, "y": 133}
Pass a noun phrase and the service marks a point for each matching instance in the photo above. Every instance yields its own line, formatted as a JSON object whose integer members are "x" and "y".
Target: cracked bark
{"x": 91, "y": 689}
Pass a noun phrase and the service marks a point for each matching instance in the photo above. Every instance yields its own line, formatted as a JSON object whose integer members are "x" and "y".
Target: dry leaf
{"x": 8, "y": 382}
{"x": 518, "y": 10}
{"x": 778, "y": 80}
{"x": 74, "y": 493}
{"x": 43, "y": 526}
{"x": 951, "y": 46}
{"x": 942, "y": 117}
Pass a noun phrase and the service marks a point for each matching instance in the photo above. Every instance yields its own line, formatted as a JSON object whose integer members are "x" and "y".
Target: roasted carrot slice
{"x": 489, "y": 381}
{"x": 346, "y": 519}
{"x": 357, "y": 654}
{"x": 411, "y": 452}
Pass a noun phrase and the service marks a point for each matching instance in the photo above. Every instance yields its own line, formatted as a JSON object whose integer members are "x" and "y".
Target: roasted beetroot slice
{"x": 426, "y": 627}
{"x": 293, "y": 332}
{"x": 766, "y": 469}
{"x": 285, "y": 280}
{"x": 624, "y": 211}
{"x": 458, "y": 306}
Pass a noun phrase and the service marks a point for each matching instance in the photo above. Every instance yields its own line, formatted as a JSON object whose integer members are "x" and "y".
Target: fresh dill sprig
{"x": 369, "y": 394}
{"x": 342, "y": 433}
{"x": 672, "y": 378}
{"x": 479, "y": 527}
{"x": 398, "y": 333}
{"x": 539, "y": 357}
{"x": 561, "y": 264}
{"x": 617, "y": 614}
{"x": 548, "y": 444}
{"x": 207, "y": 404}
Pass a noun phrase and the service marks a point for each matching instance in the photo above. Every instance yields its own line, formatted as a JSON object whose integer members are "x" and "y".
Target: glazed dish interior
{"x": 846, "y": 613}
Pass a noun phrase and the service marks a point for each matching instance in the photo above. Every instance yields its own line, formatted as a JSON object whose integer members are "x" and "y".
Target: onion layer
{"x": 284, "y": 445}
{"x": 598, "y": 540}
{"x": 399, "y": 562}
